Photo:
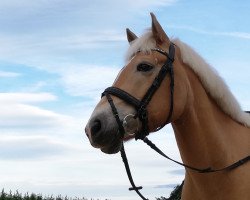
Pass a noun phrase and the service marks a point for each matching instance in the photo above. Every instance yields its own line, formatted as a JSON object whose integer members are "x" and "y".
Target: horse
{"x": 209, "y": 125}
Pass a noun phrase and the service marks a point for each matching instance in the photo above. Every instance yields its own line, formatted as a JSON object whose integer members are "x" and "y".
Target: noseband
{"x": 142, "y": 113}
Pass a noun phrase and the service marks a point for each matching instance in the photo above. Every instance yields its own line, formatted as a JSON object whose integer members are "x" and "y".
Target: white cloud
{"x": 17, "y": 112}
{"x": 13, "y": 47}
{"x": 20, "y": 115}
{"x": 241, "y": 35}
{"x": 36, "y": 87}
{"x": 143, "y": 4}
{"x": 6, "y": 74}
{"x": 88, "y": 81}
{"x": 77, "y": 164}
{"x": 31, "y": 147}
{"x": 79, "y": 26}
{"x": 47, "y": 34}
{"x": 64, "y": 5}
{"x": 26, "y": 97}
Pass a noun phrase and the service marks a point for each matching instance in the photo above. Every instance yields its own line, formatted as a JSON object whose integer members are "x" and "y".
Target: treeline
{"x": 175, "y": 195}
{"x": 19, "y": 196}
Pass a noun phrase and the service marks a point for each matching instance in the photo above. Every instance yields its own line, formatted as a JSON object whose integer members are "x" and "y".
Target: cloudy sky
{"x": 57, "y": 56}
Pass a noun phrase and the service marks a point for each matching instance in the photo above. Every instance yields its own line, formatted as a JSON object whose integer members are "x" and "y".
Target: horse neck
{"x": 205, "y": 135}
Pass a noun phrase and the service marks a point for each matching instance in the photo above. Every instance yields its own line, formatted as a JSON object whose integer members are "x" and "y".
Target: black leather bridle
{"x": 142, "y": 113}
{"x": 141, "y": 105}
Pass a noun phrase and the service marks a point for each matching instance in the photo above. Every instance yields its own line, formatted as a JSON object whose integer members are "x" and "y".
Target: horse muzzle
{"x": 103, "y": 131}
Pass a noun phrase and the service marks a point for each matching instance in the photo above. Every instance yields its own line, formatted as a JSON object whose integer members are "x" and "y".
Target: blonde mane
{"x": 210, "y": 79}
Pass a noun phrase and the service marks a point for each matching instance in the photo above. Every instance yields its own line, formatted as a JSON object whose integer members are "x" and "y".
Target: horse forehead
{"x": 149, "y": 56}
{"x": 140, "y": 56}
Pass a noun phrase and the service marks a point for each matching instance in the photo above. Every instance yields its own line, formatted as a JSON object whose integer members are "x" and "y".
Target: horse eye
{"x": 144, "y": 67}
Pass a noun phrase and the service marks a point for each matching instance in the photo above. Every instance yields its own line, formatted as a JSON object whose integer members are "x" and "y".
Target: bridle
{"x": 142, "y": 113}
{"x": 141, "y": 105}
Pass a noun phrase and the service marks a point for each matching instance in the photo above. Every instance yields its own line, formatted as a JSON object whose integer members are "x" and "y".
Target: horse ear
{"x": 158, "y": 32}
{"x": 130, "y": 35}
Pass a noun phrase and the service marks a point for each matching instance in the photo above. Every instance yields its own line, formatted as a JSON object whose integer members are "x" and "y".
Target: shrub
{"x": 175, "y": 194}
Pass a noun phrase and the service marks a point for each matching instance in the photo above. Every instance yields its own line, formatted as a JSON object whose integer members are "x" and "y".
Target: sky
{"x": 57, "y": 56}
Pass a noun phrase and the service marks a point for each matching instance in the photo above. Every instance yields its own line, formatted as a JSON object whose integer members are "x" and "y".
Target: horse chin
{"x": 114, "y": 144}
{"x": 112, "y": 149}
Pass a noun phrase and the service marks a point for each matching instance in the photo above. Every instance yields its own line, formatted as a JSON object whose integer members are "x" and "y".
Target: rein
{"x": 142, "y": 114}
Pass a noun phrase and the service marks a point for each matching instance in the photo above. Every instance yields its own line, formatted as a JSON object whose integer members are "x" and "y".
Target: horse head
{"x": 143, "y": 65}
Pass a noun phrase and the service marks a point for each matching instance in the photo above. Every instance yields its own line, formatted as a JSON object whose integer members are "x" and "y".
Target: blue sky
{"x": 57, "y": 56}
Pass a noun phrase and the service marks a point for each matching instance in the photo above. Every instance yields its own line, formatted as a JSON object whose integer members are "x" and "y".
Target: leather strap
{"x": 122, "y": 95}
{"x": 205, "y": 170}
{"x": 141, "y": 105}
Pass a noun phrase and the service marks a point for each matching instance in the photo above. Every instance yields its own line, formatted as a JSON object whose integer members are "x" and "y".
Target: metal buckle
{"x": 129, "y": 123}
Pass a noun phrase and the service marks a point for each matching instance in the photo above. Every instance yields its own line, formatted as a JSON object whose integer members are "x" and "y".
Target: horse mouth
{"x": 113, "y": 147}
{"x": 105, "y": 135}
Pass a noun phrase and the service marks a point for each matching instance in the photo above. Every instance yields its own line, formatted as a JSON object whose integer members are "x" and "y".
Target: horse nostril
{"x": 96, "y": 127}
